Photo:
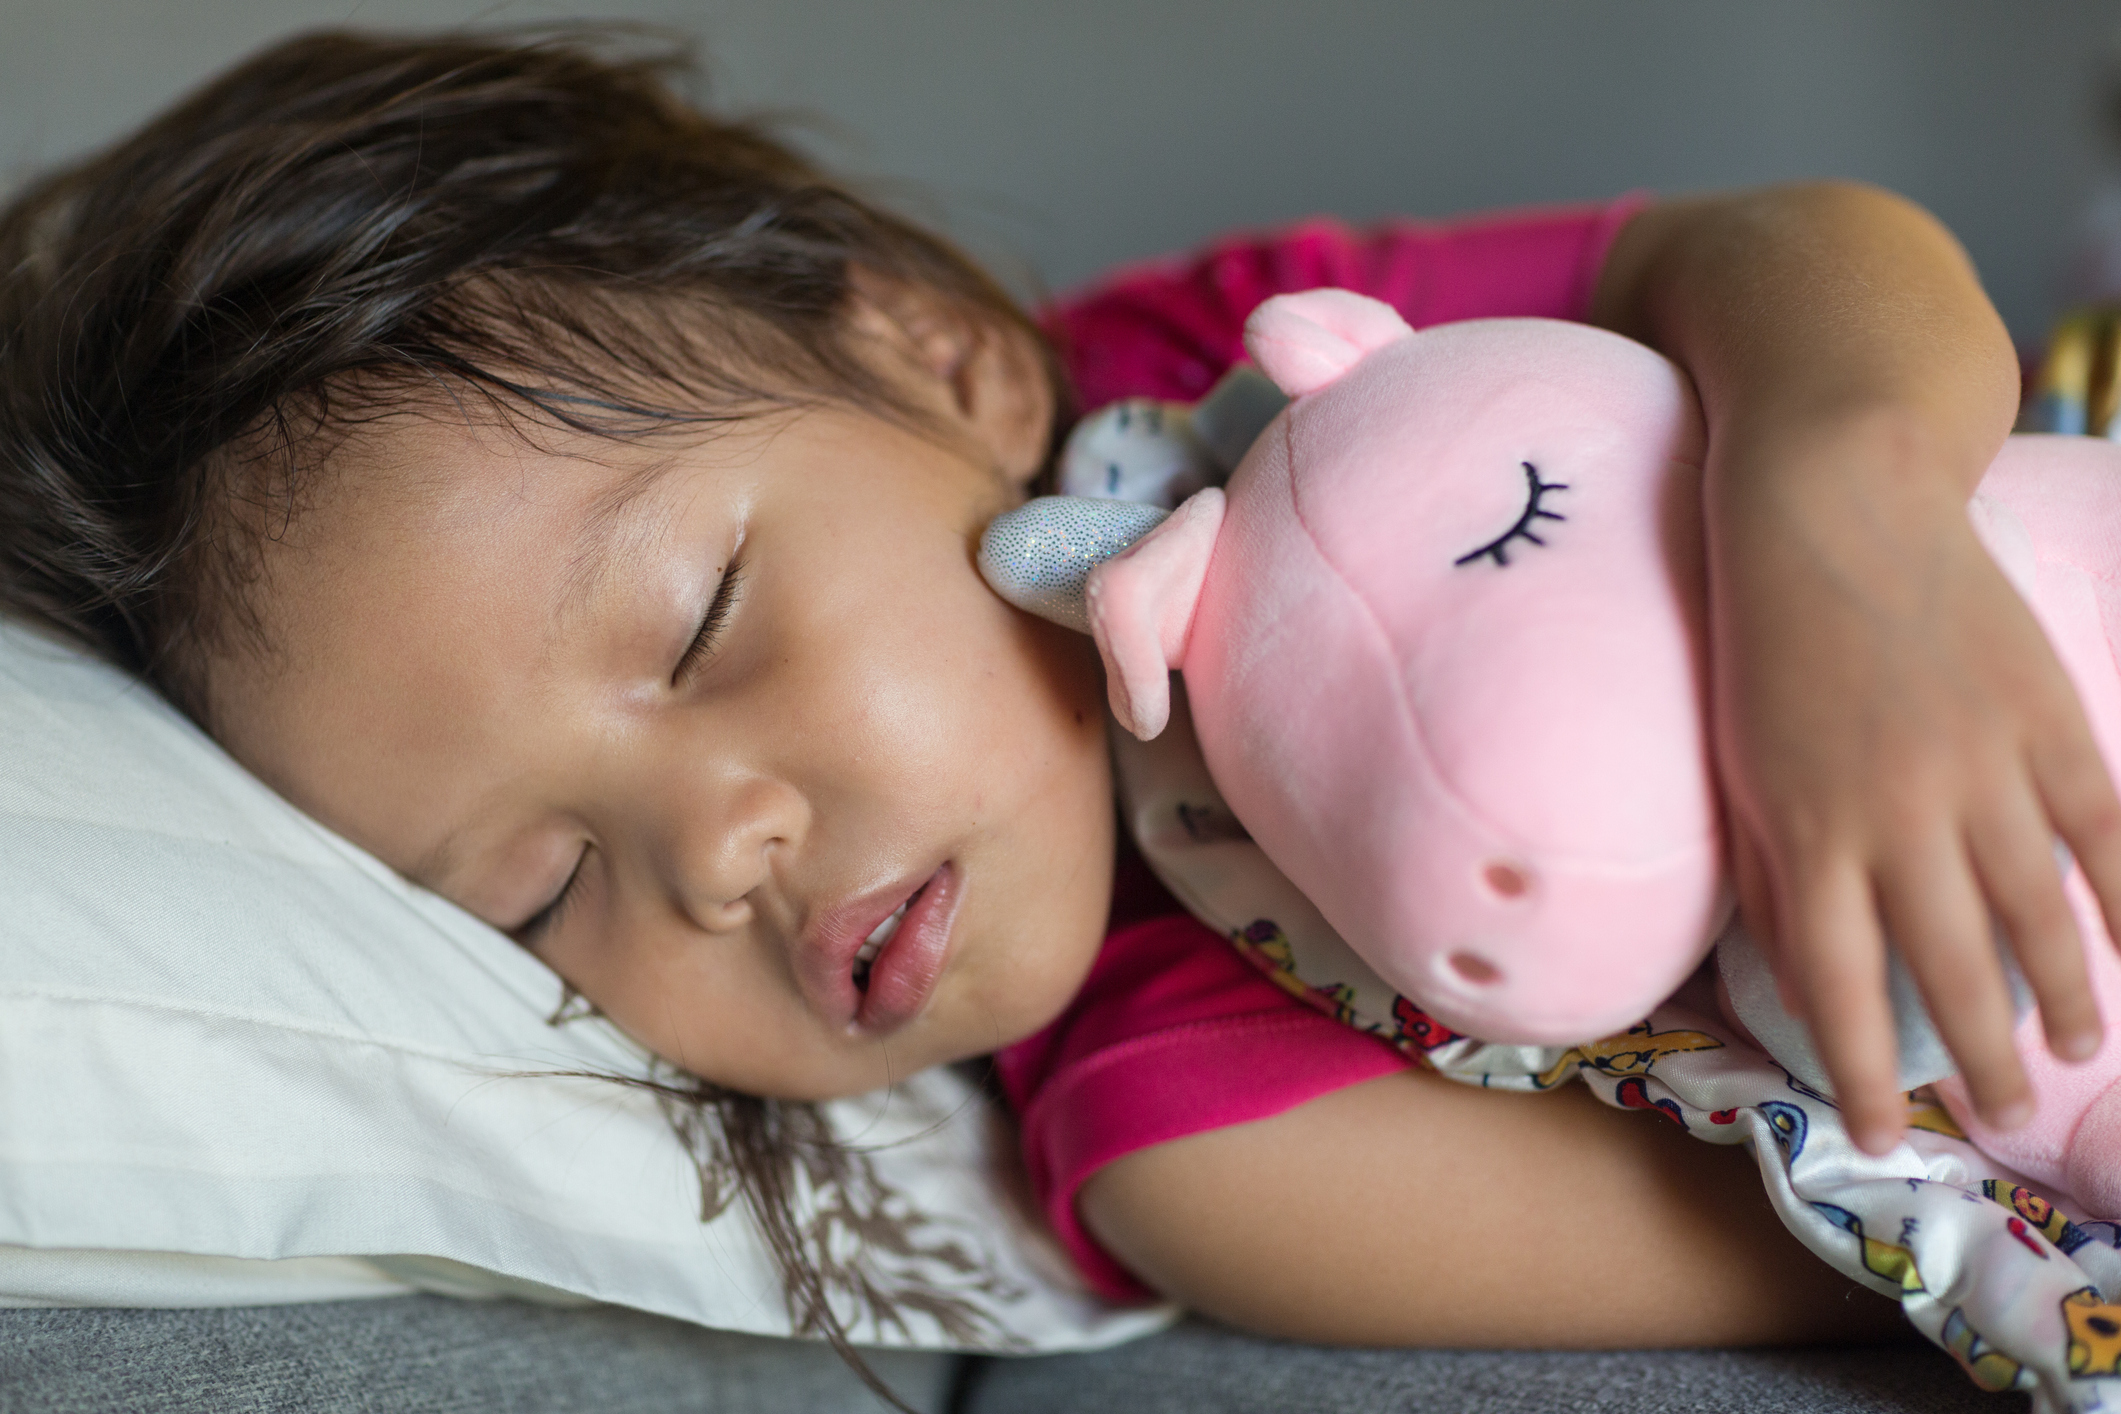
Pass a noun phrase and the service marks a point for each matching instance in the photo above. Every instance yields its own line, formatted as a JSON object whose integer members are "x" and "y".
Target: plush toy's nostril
{"x": 1475, "y": 969}
{"x": 1506, "y": 880}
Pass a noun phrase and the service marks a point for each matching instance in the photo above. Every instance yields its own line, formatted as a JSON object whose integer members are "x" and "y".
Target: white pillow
{"x": 226, "y": 1032}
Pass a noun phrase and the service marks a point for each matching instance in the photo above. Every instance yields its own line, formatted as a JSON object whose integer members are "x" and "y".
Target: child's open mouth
{"x": 865, "y": 957}
{"x": 895, "y": 969}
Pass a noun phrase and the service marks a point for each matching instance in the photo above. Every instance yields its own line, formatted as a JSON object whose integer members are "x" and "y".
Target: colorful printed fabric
{"x": 2012, "y": 1282}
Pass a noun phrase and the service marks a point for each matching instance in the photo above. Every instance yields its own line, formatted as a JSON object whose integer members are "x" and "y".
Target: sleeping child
{"x": 571, "y": 498}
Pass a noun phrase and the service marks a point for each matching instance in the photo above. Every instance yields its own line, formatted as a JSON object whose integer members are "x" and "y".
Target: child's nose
{"x": 727, "y": 844}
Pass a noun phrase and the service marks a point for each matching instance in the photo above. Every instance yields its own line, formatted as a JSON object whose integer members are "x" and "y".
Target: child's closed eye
{"x": 701, "y": 648}
{"x": 540, "y": 924}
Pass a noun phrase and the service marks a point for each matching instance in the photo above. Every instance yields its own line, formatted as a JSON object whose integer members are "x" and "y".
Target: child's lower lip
{"x": 904, "y": 973}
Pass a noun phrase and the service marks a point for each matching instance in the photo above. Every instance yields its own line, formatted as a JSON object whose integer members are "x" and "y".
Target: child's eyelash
{"x": 1498, "y": 549}
{"x": 703, "y": 641}
{"x": 542, "y": 922}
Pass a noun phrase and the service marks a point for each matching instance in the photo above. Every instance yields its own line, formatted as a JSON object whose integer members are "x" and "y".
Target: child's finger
{"x": 1833, "y": 949}
{"x": 2078, "y": 793}
{"x": 1756, "y": 900}
{"x": 1942, "y": 929}
{"x": 2014, "y": 855}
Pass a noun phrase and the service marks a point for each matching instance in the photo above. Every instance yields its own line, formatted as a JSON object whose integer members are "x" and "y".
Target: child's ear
{"x": 985, "y": 378}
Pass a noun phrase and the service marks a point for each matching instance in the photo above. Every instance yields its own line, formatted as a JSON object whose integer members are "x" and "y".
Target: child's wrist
{"x": 1919, "y": 459}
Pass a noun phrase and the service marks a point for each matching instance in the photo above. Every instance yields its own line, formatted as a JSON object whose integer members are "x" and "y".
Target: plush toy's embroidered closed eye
{"x": 1443, "y": 642}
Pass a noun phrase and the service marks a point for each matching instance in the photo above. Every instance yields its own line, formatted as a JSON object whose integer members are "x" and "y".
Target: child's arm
{"x": 1412, "y": 1210}
{"x": 1897, "y": 742}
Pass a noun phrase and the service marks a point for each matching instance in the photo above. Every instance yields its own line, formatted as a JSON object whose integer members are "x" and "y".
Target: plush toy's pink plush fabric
{"x": 2049, "y": 510}
{"x": 1445, "y": 659}
{"x": 1444, "y": 647}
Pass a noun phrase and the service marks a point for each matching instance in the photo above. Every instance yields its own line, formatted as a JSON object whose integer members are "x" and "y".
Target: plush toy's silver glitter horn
{"x": 1038, "y": 555}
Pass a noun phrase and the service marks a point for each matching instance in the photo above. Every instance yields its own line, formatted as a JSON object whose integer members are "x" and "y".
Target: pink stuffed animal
{"x": 1442, "y": 639}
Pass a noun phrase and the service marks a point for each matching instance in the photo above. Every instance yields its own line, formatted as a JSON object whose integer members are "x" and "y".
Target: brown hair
{"x": 189, "y": 319}
{"x": 345, "y": 221}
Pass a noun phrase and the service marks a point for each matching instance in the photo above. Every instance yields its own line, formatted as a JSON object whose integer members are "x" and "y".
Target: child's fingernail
{"x": 2082, "y": 1046}
{"x": 1878, "y": 1138}
{"x": 2014, "y": 1115}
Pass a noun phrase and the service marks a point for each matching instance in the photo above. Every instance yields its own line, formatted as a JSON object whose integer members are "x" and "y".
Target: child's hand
{"x": 1900, "y": 750}
{"x": 1899, "y": 747}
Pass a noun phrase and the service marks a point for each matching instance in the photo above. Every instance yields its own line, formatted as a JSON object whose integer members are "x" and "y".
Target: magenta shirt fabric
{"x": 1174, "y": 1032}
{"x": 1169, "y": 328}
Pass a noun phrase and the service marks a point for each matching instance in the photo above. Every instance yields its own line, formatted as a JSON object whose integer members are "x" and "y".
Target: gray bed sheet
{"x": 434, "y": 1355}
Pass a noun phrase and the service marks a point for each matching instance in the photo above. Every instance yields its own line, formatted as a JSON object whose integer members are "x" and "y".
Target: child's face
{"x": 477, "y": 677}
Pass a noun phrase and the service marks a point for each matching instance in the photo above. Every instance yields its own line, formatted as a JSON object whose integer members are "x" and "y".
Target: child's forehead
{"x": 582, "y": 525}
{"x": 409, "y": 515}
{"x": 610, "y": 494}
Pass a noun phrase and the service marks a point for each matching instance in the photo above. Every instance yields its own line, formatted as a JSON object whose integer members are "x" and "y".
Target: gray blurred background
{"x": 1058, "y": 138}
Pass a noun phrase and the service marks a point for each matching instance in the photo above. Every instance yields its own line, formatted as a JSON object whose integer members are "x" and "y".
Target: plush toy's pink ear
{"x": 1306, "y": 341}
{"x": 1140, "y": 605}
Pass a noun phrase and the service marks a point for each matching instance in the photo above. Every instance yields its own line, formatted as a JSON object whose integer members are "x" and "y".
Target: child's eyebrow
{"x": 609, "y": 539}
